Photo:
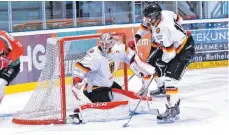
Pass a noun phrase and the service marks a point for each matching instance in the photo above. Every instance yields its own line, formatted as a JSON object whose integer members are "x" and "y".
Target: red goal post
{"x": 52, "y": 100}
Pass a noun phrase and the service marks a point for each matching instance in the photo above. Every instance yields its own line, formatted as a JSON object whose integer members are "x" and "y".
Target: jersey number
{"x": 111, "y": 66}
{"x": 178, "y": 27}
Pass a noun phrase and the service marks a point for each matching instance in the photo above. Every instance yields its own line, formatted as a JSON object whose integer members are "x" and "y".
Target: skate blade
{"x": 151, "y": 111}
{"x": 171, "y": 120}
{"x": 125, "y": 125}
{"x": 158, "y": 96}
{"x": 177, "y": 117}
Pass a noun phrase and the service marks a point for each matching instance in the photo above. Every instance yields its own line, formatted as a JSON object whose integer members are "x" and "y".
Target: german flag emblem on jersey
{"x": 158, "y": 30}
{"x": 111, "y": 65}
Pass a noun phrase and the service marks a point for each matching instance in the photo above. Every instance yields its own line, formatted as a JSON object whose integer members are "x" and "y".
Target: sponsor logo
{"x": 143, "y": 42}
{"x": 34, "y": 58}
{"x": 208, "y": 64}
{"x": 209, "y": 47}
{"x": 211, "y": 36}
{"x": 95, "y": 105}
{"x": 212, "y": 56}
{"x": 159, "y": 37}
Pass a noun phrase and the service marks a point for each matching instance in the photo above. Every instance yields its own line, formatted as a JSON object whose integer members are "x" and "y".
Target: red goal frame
{"x": 61, "y": 41}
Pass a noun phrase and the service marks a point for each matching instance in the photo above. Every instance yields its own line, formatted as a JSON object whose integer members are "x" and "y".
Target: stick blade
{"x": 125, "y": 125}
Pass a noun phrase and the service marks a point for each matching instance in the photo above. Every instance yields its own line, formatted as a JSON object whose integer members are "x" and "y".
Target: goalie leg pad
{"x": 100, "y": 112}
{"x": 133, "y": 99}
{"x": 75, "y": 118}
{"x": 145, "y": 84}
{"x": 101, "y": 94}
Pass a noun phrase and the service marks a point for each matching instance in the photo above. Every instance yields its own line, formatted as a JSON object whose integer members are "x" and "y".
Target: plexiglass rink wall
{"x": 18, "y": 16}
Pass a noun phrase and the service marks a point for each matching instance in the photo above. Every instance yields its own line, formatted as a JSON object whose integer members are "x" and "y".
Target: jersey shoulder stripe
{"x": 82, "y": 67}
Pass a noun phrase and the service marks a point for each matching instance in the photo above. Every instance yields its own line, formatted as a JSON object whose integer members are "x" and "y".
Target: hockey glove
{"x": 77, "y": 88}
{"x": 188, "y": 33}
{"x": 5, "y": 62}
{"x": 160, "y": 67}
{"x": 132, "y": 42}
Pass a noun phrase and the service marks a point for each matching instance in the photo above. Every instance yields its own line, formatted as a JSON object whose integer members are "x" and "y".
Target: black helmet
{"x": 152, "y": 11}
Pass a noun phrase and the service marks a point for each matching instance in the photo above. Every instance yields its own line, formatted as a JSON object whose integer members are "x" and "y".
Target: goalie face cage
{"x": 53, "y": 100}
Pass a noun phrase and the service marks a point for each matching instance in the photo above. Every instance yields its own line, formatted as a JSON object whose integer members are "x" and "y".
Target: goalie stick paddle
{"x": 132, "y": 114}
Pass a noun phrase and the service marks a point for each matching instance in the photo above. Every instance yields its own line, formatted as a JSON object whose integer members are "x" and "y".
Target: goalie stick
{"x": 132, "y": 114}
{"x": 151, "y": 55}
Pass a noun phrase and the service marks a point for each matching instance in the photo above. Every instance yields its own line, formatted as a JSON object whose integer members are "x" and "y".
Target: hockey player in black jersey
{"x": 171, "y": 60}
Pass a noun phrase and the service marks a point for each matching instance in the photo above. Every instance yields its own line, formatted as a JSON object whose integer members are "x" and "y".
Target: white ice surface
{"x": 204, "y": 95}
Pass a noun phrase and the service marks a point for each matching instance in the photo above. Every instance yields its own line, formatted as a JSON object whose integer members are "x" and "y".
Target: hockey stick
{"x": 151, "y": 55}
{"x": 135, "y": 43}
{"x": 132, "y": 114}
{"x": 146, "y": 91}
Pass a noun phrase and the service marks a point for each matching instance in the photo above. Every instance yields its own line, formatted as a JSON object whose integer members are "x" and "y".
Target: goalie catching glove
{"x": 134, "y": 40}
{"x": 77, "y": 88}
{"x": 78, "y": 83}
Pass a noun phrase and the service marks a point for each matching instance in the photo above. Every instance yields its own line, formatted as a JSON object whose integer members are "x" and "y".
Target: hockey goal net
{"x": 53, "y": 100}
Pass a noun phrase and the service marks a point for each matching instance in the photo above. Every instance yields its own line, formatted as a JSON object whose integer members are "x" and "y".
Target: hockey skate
{"x": 160, "y": 92}
{"x": 75, "y": 118}
{"x": 177, "y": 107}
{"x": 170, "y": 115}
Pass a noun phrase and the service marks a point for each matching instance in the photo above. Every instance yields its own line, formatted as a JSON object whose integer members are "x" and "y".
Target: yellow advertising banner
{"x": 208, "y": 64}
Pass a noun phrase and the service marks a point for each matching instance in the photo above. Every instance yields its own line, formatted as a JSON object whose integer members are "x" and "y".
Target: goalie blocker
{"x": 93, "y": 79}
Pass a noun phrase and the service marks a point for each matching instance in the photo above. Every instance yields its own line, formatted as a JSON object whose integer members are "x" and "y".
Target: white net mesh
{"x": 46, "y": 102}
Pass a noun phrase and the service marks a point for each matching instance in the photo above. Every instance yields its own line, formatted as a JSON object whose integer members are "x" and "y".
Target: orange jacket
{"x": 9, "y": 46}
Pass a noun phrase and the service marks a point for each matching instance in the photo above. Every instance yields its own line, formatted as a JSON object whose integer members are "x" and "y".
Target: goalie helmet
{"x": 152, "y": 11}
{"x": 106, "y": 42}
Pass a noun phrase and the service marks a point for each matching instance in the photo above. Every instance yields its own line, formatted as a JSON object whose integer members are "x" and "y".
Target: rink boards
{"x": 211, "y": 46}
